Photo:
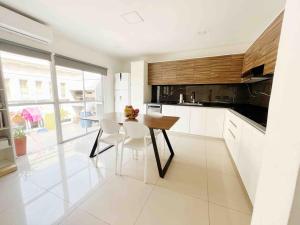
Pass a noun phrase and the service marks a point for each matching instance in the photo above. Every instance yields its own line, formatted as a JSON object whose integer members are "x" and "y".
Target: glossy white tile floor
{"x": 62, "y": 186}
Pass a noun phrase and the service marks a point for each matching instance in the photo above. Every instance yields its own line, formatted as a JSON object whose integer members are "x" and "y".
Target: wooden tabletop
{"x": 155, "y": 122}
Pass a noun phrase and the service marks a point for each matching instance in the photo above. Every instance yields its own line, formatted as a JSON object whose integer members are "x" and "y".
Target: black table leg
{"x": 92, "y": 154}
{"x": 161, "y": 171}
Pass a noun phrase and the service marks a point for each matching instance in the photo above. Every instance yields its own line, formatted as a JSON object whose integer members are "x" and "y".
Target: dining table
{"x": 153, "y": 122}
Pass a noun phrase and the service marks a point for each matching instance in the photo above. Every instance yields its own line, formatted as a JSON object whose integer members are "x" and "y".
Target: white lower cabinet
{"x": 232, "y": 133}
{"x": 250, "y": 156}
{"x": 245, "y": 144}
{"x": 214, "y": 122}
{"x": 197, "y": 120}
{"x": 183, "y": 124}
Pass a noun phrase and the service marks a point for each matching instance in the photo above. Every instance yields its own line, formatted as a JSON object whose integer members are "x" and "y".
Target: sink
{"x": 190, "y": 103}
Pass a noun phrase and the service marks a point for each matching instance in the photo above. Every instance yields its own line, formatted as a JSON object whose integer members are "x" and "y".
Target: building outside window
{"x": 24, "y": 88}
{"x": 39, "y": 88}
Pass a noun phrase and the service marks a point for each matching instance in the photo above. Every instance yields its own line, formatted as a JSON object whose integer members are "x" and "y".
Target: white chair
{"x": 138, "y": 140}
{"x": 157, "y": 132}
{"x": 110, "y": 135}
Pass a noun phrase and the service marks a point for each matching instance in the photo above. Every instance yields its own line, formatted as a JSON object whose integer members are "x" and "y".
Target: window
{"x": 29, "y": 87}
{"x": 50, "y": 88}
{"x": 7, "y": 87}
{"x": 39, "y": 88}
{"x": 30, "y": 105}
{"x": 80, "y": 96}
{"x": 63, "y": 90}
{"x": 24, "y": 88}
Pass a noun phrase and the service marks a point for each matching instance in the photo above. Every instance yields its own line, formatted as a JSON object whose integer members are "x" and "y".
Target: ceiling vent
{"x": 20, "y": 25}
{"x": 132, "y": 17}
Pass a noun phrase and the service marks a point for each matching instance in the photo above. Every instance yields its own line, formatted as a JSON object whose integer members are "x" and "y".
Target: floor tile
{"x": 45, "y": 209}
{"x": 135, "y": 169}
{"x": 227, "y": 191}
{"x": 165, "y": 207}
{"x": 223, "y": 216}
{"x": 119, "y": 201}
{"x": 77, "y": 187}
{"x": 79, "y": 217}
{"x": 186, "y": 179}
{"x": 49, "y": 186}
{"x": 218, "y": 159}
{"x": 16, "y": 192}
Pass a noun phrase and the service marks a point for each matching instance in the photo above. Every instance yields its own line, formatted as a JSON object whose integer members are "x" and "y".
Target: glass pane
{"x": 93, "y": 86}
{"x": 71, "y": 123}
{"x": 69, "y": 84}
{"x": 94, "y": 112}
{"x": 38, "y": 124}
{"x": 27, "y": 79}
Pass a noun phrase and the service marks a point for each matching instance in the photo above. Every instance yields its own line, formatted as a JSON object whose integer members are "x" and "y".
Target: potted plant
{"x": 20, "y": 141}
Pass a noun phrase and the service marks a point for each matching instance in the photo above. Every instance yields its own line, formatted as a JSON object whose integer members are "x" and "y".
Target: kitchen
{"x": 160, "y": 112}
{"x": 223, "y": 97}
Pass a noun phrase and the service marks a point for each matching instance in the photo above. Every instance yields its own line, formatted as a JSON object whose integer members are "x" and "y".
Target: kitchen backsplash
{"x": 254, "y": 94}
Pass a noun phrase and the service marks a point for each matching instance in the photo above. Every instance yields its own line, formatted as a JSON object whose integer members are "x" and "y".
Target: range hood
{"x": 256, "y": 74}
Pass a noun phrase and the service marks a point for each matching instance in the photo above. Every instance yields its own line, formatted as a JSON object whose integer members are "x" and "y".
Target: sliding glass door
{"x": 51, "y": 98}
{"x": 80, "y": 101}
{"x": 30, "y": 99}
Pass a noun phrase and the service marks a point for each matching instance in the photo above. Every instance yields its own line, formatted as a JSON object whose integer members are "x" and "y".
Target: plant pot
{"x": 20, "y": 144}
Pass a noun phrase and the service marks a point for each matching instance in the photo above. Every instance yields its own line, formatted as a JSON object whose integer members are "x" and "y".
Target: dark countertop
{"x": 255, "y": 113}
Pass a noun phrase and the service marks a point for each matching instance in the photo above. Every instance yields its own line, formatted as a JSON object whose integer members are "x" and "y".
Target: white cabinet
{"x": 122, "y": 91}
{"x": 140, "y": 90}
{"x": 122, "y": 81}
{"x": 232, "y": 133}
{"x": 245, "y": 144}
{"x": 214, "y": 122}
{"x": 197, "y": 120}
{"x": 169, "y": 110}
{"x": 182, "y": 125}
{"x": 121, "y": 100}
{"x": 250, "y": 156}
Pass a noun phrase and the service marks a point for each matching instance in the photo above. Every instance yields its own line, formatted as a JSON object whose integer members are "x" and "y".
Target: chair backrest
{"x": 155, "y": 114}
{"x": 135, "y": 130}
{"x": 109, "y": 126}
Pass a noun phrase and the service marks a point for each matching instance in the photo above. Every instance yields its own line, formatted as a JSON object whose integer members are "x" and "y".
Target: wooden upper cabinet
{"x": 169, "y": 73}
{"x": 155, "y": 73}
{"x": 185, "y": 72}
{"x": 264, "y": 49}
{"x": 209, "y": 70}
{"x": 226, "y": 69}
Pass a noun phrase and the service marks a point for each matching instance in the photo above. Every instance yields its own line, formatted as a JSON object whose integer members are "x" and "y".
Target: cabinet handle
{"x": 233, "y": 123}
{"x": 231, "y": 133}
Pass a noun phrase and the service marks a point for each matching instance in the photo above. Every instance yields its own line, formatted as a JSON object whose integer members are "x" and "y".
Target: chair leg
{"x": 121, "y": 160}
{"x": 145, "y": 162}
{"x": 116, "y": 166}
{"x": 97, "y": 151}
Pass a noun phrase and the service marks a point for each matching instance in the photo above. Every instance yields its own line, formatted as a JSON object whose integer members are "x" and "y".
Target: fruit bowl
{"x": 130, "y": 112}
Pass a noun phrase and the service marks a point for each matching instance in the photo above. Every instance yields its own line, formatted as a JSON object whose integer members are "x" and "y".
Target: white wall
{"x": 280, "y": 163}
{"x": 295, "y": 213}
{"x": 67, "y": 47}
{"x": 199, "y": 53}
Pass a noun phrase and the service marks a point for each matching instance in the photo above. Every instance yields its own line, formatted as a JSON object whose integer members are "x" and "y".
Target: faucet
{"x": 193, "y": 96}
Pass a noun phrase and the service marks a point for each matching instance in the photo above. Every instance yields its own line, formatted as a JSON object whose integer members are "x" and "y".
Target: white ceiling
{"x": 169, "y": 26}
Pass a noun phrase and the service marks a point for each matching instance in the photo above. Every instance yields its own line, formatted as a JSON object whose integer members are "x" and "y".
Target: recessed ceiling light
{"x": 132, "y": 17}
